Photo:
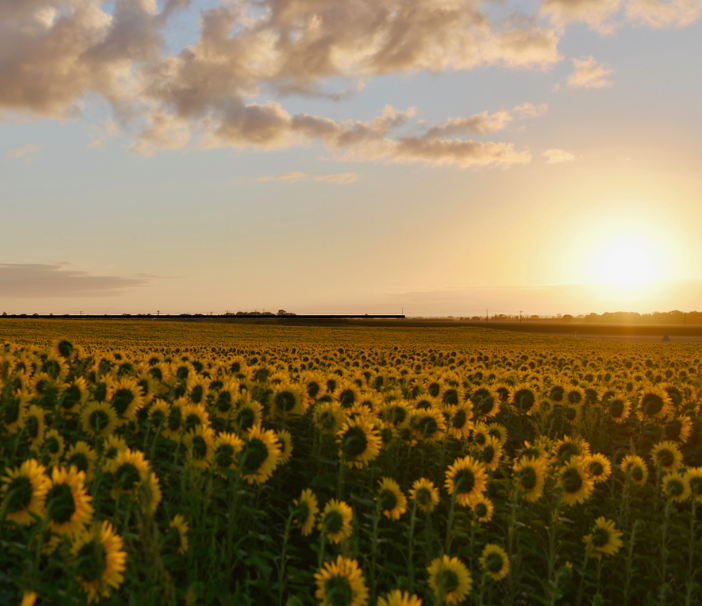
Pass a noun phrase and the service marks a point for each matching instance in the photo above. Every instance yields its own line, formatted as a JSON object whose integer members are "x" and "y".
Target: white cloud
{"x": 677, "y": 13}
{"x": 589, "y": 74}
{"x": 557, "y": 156}
{"x": 296, "y": 177}
{"x": 24, "y": 151}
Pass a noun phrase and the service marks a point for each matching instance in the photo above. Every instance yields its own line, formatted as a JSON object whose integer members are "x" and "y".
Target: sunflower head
{"x": 635, "y": 469}
{"x": 676, "y": 486}
{"x": 666, "y": 455}
{"x": 341, "y": 583}
{"x": 425, "y": 494}
{"x": 24, "y": 492}
{"x": 99, "y": 561}
{"x": 605, "y": 539}
{"x": 306, "y": 510}
{"x": 449, "y": 580}
{"x": 494, "y": 562}
{"x": 359, "y": 442}
{"x": 335, "y": 521}
{"x": 390, "y": 499}
{"x": 467, "y": 479}
{"x": 575, "y": 482}
{"x": 483, "y": 509}
{"x": 398, "y": 598}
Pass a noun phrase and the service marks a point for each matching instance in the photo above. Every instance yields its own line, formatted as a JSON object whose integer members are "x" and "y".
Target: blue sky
{"x": 262, "y": 192}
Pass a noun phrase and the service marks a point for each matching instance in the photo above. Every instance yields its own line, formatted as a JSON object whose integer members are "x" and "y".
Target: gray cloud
{"x": 297, "y": 177}
{"x": 19, "y": 280}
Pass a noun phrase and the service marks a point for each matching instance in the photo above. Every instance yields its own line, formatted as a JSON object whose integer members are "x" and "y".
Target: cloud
{"x": 528, "y": 110}
{"x": 54, "y": 280}
{"x": 678, "y": 13}
{"x": 557, "y": 156}
{"x": 26, "y": 150}
{"x": 296, "y": 177}
{"x": 589, "y": 74}
{"x": 55, "y": 55}
{"x": 594, "y": 13}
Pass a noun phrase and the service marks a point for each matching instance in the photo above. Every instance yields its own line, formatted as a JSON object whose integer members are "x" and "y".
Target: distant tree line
{"x": 631, "y": 317}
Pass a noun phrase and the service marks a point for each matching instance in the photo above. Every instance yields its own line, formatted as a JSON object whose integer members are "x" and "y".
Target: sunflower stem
{"x": 374, "y": 550}
{"x": 410, "y": 546}
{"x": 449, "y": 526}
{"x": 691, "y": 554}
{"x": 581, "y": 588}
{"x": 283, "y": 558}
{"x": 664, "y": 552}
{"x": 629, "y": 563}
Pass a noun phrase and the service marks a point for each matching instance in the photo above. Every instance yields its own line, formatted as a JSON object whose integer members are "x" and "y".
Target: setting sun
{"x": 628, "y": 261}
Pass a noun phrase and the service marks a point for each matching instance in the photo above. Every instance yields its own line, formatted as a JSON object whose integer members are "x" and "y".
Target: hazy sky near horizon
{"x": 360, "y": 156}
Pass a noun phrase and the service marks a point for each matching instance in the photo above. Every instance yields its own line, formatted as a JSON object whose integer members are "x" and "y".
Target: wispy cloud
{"x": 55, "y": 280}
{"x": 297, "y": 177}
{"x": 557, "y": 156}
{"x": 23, "y": 152}
{"x": 589, "y": 74}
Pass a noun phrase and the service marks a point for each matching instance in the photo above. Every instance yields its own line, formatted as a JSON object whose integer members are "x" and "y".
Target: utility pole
{"x": 158, "y": 312}
{"x": 487, "y": 316}
{"x": 520, "y": 316}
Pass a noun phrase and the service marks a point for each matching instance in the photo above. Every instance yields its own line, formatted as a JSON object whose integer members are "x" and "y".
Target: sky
{"x": 426, "y": 157}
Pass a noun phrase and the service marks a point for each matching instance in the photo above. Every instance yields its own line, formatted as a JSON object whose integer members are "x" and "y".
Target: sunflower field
{"x": 173, "y": 463}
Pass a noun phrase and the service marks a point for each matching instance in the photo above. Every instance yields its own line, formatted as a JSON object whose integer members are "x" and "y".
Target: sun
{"x": 628, "y": 260}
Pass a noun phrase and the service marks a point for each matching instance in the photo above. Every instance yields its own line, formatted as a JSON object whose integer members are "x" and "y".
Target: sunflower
{"x": 198, "y": 390}
{"x": 390, "y": 499}
{"x": 24, "y": 492}
{"x": 557, "y": 393}
{"x": 33, "y": 423}
{"x": 449, "y": 579}
{"x": 397, "y": 413}
{"x": 397, "y": 598}
{"x": 467, "y": 478}
{"x": 225, "y": 398}
{"x": 158, "y": 414}
{"x": 12, "y": 413}
{"x": 99, "y": 561}
{"x": 566, "y": 448}
{"x": 177, "y": 536}
{"x": 111, "y": 446}
{"x": 605, "y": 539}
{"x": 335, "y": 521}
{"x": 654, "y": 403}
{"x": 486, "y": 403}
{"x": 306, "y": 510}
{"x": 173, "y": 425}
{"x": 574, "y": 395}
{"x": 62, "y": 348}
{"x": 68, "y": 506}
{"x": 459, "y": 419}
{"x": 341, "y": 583}
{"x": 247, "y": 415}
{"x": 126, "y": 399}
{"x": 74, "y": 396}
{"x": 494, "y": 562}
{"x": 358, "y": 410}
{"x": 482, "y": 509}
{"x": 454, "y": 395}
{"x": 99, "y": 419}
{"x": 329, "y": 417}
{"x": 676, "y": 486}
{"x": 678, "y": 429}
{"x": 425, "y": 494}
{"x": 359, "y": 442}
{"x": 635, "y": 468}
{"x": 286, "y": 400}
{"x": 599, "y": 467}
{"x": 530, "y": 476}
{"x": 28, "y": 598}
{"x": 199, "y": 443}
{"x": 619, "y": 408}
{"x": 428, "y": 424}
{"x": 481, "y": 433}
{"x": 83, "y": 457}
{"x": 195, "y": 416}
{"x": 524, "y": 399}
{"x": 666, "y": 455}
{"x": 259, "y": 456}
{"x": 572, "y": 413}
{"x": 499, "y": 431}
{"x": 54, "y": 446}
{"x": 694, "y": 481}
{"x": 346, "y": 393}
{"x": 575, "y": 482}
{"x": 226, "y": 447}
{"x": 286, "y": 446}
{"x": 132, "y": 476}
{"x": 491, "y": 453}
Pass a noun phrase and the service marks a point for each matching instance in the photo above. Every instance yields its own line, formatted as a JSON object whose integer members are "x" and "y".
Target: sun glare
{"x": 628, "y": 261}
